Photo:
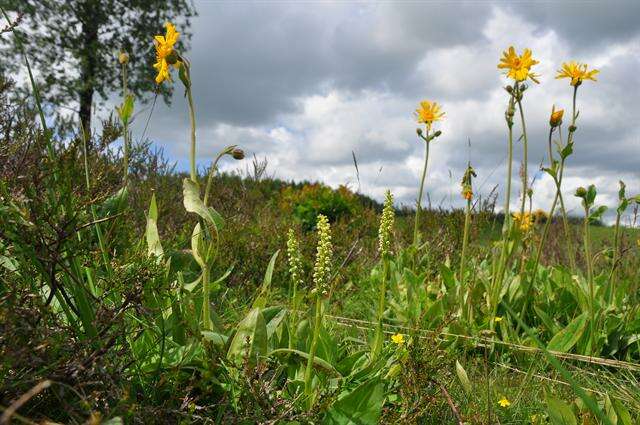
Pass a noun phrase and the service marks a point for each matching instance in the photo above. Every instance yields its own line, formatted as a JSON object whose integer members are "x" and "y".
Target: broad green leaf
{"x": 193, "y": 204}
{"x": 126, "y": 109}
{"x": 263, "y": 295}
{"x": 114, "y": 203}
{"x": 198, "y": 246}
{"x": 360, "y": 406}
{"x": 560, "y": 413}
{"x": 154, "y": 247}
{"x": 250, "y": 339}
{"x": 217, "y": 339}
{"x": 318, "y": 362}
{"x": 564, "y": 340}
{"x": 463, "y": 378}
{"x": 624, "y": 417}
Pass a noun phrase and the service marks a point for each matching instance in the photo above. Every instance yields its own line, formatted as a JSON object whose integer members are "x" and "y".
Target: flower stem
{"x": 525, "y": 158}
{"x": 419, "y": 204}
{"x": 126, "y": 139}
{"x": 192, "y": 153}
{"x": 465, "y": 240}
{"x": 616, "y": 249}
{"x": 587, "y": 253}
{"x": 382, "y": 295}
{"x": 308, "y": 374}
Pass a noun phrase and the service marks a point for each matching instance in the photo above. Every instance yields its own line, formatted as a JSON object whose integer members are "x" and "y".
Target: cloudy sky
{"x": 306, "y": 83}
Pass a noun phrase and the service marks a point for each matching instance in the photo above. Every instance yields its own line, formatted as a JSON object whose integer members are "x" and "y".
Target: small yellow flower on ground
{"x": 556, "y": 117}
{"x": 503, "y": 402}
{"x": 577, "y": 72}
{"x": 428, "y": 113}
{"x": 497, "y": 319}
{"x": 397, "y": 339}
{"x": 164, "y": 53}
{"x": 517, "y": 66}
{"x": 523, "y": 221}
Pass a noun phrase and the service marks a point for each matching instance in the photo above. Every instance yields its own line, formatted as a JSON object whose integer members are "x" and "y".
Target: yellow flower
{"x": 497, "y": 319}
{"x": 540, "y": 216}
{"x": 518, "y": 66}
{"x": 523, "y": 221}
{"x": 577, "y": 72}
{"x": 165, "y": 53}
{"x": 164, "y": 43}
{"x": 556, "y": 117}
{"x": 428, "y": 113}
{"x": 534, "y": 419}
{"x": 503, "y": 402}
{"x": 398, "y": 339}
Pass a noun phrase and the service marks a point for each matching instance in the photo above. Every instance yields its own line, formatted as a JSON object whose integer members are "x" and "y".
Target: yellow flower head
{"x": 556, "y": 117}
{"x": 523, "y": 221}
{"x": 397, "y": 339}
{"x": 577, "y": 72}
{"x": 497, "y": 319}
{"x": 164, "y": 53}
{"x": 503, "y": 402}
{"x": 428, "y": 113}
{"x": 517, "y": 66}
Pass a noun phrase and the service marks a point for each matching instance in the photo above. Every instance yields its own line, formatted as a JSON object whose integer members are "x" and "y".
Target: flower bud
{"x": 509, "y": 89}
{"x": 437, "y": 134}
{"x": 572, "y": 128}
{"x": 581, "y": 192}
{"x": 556, "y": 117}
{"x": 419, "y": 131}
{"x": 237, "y": 153}
{"x": 123, "y": 58}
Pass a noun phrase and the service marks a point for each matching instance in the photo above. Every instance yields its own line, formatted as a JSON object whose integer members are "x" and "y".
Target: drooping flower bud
{"x": 237, "y": 154}
{"x": 581, "y": 192}
{"x": 123, "y": 58}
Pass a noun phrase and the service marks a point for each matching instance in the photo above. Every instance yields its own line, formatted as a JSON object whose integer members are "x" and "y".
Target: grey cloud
{"x": 586, "y": 24}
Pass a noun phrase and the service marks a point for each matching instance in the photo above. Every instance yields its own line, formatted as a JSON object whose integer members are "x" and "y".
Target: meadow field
{"x": 131, "y": 292}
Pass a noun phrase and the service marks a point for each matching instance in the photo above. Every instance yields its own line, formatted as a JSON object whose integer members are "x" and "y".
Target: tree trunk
{"x": 88, "y": 62}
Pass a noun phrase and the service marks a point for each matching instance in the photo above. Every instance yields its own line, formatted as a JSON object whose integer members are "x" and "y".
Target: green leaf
{"x": 263, "y": 295}
{"x": 596, "y": 215}
{"x": 250, "y": 339}
{"x": 560, "y": 413}
{"x": 114, "y": 203}
{"x": 193, "y": 204}
{"x": 463, "y": 378}
{"x": 360, "y": 406}
{"x": 564, "y": 340}
{"x": 126, "y": 109}
{"x": 154, "y": 247}
{"x": 624, "y": 417}
{"x": 566, "y": 151}
{"x": 198, "y": 247}
{"x": 318, "y": 362}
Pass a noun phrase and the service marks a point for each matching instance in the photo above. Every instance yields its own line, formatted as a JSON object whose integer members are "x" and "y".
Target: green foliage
{"x": 315, "y": 199}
